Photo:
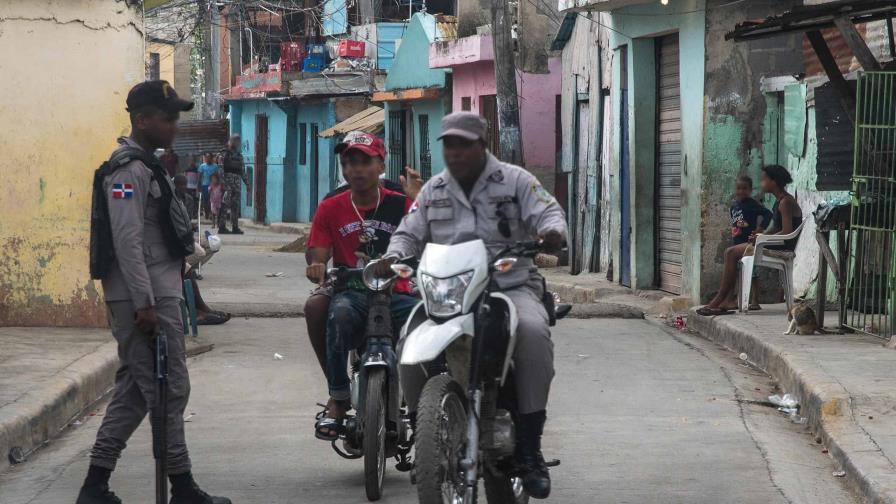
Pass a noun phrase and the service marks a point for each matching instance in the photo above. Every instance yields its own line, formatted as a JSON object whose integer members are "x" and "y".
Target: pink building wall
{"x": 538, "y": 98}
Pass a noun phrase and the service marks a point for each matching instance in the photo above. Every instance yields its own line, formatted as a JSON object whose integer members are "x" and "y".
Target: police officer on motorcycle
{"x": 480, "y": 197}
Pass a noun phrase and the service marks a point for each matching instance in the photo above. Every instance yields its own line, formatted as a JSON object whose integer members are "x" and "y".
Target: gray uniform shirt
{"x": 144, "y": 269}
{"x": 444, "y": 214}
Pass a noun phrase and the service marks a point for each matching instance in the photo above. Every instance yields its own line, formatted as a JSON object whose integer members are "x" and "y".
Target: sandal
{"x": 326, "y": 428}
{"x": 712, "y": 312}
{"x": 212, "y": 318}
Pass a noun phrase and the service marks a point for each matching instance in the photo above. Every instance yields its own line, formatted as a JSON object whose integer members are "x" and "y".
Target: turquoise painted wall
{"x": 636, "y": 27}
{"x": 288, "y": 188}
{"x": 410, "y": 69}
{"x": 434, "y": 110}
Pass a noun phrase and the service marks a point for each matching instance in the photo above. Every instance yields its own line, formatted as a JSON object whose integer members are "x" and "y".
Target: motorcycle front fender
{"x": 428, "y": 340}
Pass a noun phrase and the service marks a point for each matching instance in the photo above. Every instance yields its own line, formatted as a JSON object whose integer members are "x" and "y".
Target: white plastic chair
{"x": 775, "y": 259}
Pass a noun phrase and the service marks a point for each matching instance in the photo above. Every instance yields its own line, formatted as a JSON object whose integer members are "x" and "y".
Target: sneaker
{"x": 97, "y": 495}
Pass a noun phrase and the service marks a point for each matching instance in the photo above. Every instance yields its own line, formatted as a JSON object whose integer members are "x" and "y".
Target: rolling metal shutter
{"x": 668, "y": 167}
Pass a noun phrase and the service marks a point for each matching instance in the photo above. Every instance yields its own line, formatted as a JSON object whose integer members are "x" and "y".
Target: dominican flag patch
{"x": 122, "y": 191}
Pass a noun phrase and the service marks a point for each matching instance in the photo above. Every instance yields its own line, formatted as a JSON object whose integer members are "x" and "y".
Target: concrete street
{"x": 639, "y": 414}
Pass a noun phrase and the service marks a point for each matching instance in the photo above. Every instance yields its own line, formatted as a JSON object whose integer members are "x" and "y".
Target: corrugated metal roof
{"x": 446, "y": 27}
{"x": 370, "y": 120}
{"x": 201, "y": 135}
{"x": 802, "y": 18}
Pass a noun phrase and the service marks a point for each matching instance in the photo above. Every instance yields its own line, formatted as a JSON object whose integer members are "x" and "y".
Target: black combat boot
{"x": 222, "y": 229}
{"x": 530, "y": 462}
{"x": 96, "y": 488}
{"x": 185, "y": 491}
{"x": 237, "y": 230}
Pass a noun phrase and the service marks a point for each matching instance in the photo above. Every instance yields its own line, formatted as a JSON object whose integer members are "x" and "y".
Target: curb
{"x": 277, "y": 227}
{"x": 823, "y": 401}
{"x": 43, "y": 413}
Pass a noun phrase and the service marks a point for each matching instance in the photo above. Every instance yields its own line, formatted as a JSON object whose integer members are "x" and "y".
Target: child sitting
{"x": 748, "y": 216}
{"x": 215, "y": 193}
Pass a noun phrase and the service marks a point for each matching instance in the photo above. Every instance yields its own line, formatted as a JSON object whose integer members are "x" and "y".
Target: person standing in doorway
{"x": 234, "y": 175}
{"x": 143, "y": 291}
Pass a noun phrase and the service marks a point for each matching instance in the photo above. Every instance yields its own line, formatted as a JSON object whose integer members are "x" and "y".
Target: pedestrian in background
{"x": 234, "y": 176}
{"x": 215, "y": 193}
{"x": 206, "y": 170}
{"x": 151, "y": 235}
{"x": 170, "y": 161}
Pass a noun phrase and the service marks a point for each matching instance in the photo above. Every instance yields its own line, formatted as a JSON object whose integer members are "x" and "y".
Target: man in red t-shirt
{"x": 352, "y": 228}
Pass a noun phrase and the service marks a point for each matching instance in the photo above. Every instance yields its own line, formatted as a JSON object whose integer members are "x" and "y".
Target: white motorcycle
{"x": 464, "y": 332}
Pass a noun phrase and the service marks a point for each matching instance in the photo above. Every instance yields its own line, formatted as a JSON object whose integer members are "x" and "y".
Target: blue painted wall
{"x": 335, "y": 17}
{"x": 386, "y": 36}
{"x": 288, "y": 188}
{"x": 411, "y": 66}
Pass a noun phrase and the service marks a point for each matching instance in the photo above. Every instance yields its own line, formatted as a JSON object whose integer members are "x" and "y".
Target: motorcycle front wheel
{"x": 504, "y": 489}
{"x": 439, "y": 442}
{"x": 375, "y": 434}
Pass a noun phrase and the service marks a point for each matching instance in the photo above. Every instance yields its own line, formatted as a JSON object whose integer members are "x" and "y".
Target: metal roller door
{"x": 668, "y": 167}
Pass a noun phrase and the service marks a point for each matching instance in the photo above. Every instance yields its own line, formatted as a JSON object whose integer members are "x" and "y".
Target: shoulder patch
{"x": 122, "y": 191}
{"x": 541, "y": 193}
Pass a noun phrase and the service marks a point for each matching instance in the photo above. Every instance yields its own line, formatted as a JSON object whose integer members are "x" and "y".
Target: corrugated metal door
{"x": 668, "y": 166}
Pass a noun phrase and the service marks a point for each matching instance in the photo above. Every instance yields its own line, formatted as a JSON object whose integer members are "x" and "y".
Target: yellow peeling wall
{"x": 66, "y": 70}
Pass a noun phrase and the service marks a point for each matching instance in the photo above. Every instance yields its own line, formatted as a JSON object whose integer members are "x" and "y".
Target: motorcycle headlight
{"x": 445, "y": 296}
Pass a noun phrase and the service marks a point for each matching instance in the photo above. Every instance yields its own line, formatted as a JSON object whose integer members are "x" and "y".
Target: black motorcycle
{"x": 380, "y": 428}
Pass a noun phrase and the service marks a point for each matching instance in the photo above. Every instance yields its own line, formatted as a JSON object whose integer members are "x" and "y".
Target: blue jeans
{"x": 345, "y": 331}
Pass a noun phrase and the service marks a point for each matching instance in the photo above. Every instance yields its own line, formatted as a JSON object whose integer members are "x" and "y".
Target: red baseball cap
{"x": 364, "y": 142}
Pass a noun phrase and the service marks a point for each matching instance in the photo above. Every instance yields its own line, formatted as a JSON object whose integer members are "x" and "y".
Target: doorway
{"x": 261, "y": 167}
{"x": 313, "y": 167}
{"x": 625, "y": 209}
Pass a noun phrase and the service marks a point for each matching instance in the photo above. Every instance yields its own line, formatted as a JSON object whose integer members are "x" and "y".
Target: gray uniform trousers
{"x": 534, "y": 353}
{"x": 135, "y": 387}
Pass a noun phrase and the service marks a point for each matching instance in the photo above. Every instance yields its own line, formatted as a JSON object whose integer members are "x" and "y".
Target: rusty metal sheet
{"x": 201, "y": 135}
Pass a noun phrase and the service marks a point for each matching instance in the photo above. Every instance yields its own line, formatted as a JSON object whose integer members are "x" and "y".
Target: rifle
{"x": 159, "y": 417}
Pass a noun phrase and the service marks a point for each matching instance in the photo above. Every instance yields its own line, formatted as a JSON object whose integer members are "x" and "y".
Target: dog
{"x": 802, "y": 320}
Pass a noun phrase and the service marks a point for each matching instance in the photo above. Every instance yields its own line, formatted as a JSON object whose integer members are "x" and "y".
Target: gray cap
{"x": 465, "y": 125}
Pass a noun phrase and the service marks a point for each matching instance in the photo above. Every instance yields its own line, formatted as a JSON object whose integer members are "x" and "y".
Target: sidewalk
{"x": 592, "y": 292}
{"x": 296, "y": 228}
{"x": 49, "y": 376}
{"x": 845, "y": 384}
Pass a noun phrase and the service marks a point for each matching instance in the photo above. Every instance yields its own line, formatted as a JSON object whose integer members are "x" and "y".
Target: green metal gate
{"x": 870, "y": 304}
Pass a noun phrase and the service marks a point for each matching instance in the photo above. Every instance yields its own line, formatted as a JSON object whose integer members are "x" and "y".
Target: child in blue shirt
{"x": 206, "y": 170}
{"x": 748, "y": 216}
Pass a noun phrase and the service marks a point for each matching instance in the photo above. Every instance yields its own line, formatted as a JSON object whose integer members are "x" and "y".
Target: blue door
{"x": 625, "y": 210}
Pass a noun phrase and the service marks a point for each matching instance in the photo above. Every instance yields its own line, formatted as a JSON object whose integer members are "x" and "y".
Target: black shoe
{"x": 223, "y": 230}
{"x": 530, "y": 462}
{"x": 97, "y": 495}
{"x": 190, "y": 493}
{"x": 237, "y": 230}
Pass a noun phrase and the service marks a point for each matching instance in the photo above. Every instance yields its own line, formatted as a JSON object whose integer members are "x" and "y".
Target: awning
{"x": 369, "y": 120}
{"x": 407, "y": 94}
{"x": 330, "y": 84}
{"x": 807, "y": 18}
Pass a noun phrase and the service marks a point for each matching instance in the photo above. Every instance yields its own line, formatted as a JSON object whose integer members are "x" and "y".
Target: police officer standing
{"x": 479, "y": 197}
{"x": 143, "y": 288}
{"x": 234, "y": 175}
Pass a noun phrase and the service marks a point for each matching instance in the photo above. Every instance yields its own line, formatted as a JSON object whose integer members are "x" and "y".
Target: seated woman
{"x": 786, "y": 216}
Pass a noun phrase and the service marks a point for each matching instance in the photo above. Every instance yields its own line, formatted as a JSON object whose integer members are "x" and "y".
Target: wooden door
{"x": 261, "y": 167}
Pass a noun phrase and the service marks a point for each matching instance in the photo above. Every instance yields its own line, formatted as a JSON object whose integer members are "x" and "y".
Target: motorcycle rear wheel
{"x": 439, "y": 441}
{"x": 375, "y": 434}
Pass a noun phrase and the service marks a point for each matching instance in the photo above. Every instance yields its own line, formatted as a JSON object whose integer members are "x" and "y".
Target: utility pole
{"x": 510, "y": 145}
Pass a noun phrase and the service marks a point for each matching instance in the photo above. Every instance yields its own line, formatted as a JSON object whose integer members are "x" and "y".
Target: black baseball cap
{"x": 159, "y": 94}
